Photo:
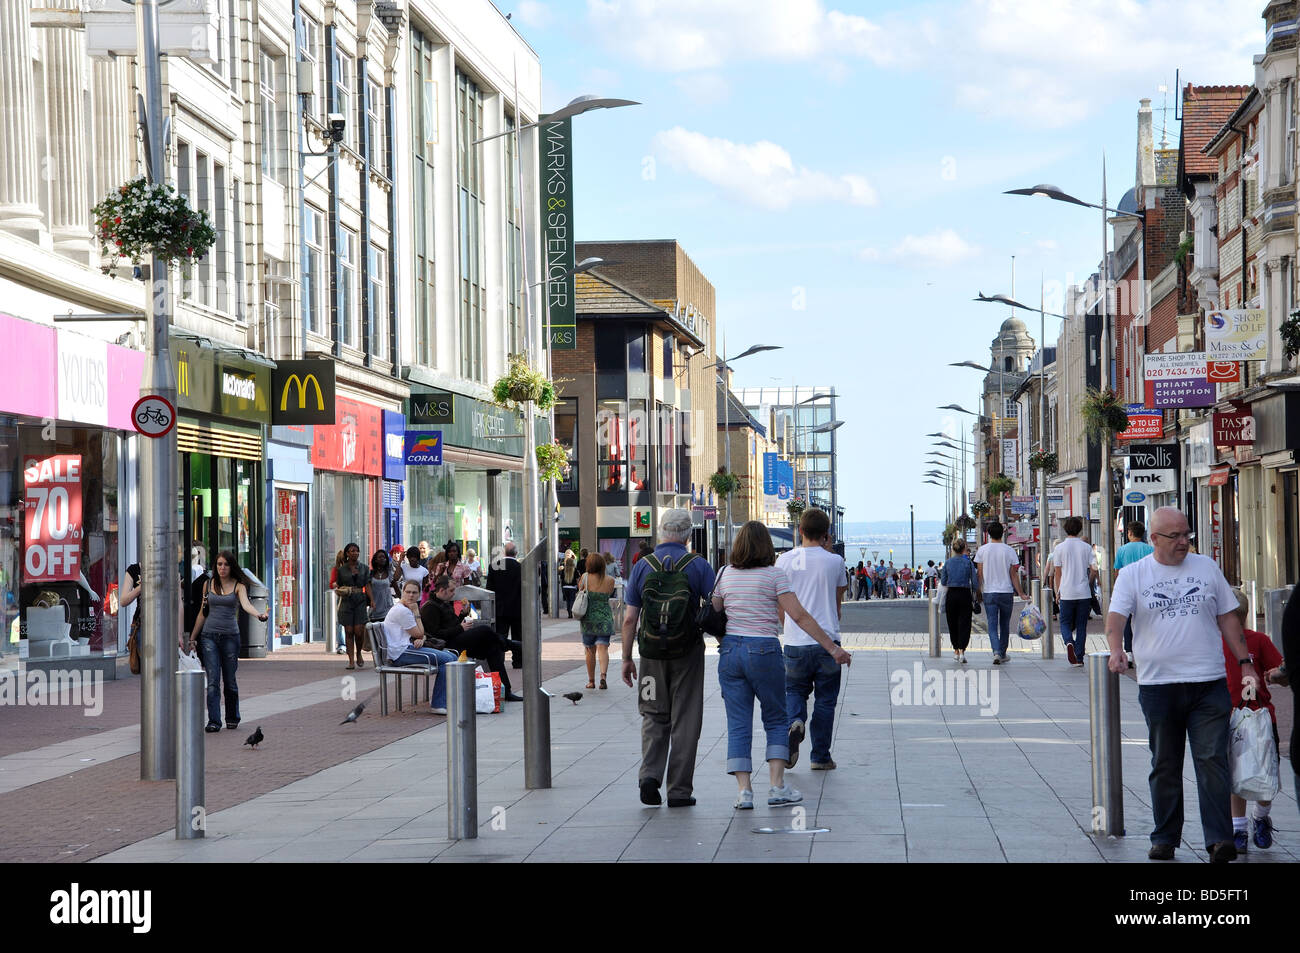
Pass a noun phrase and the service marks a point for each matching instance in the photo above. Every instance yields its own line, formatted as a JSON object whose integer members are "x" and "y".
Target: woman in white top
{"x": 750, "y": 590}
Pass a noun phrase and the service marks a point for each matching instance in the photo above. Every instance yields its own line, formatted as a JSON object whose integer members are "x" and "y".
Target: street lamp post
{"x": 1056, "y": 194}
{"x": 726, "y": 408}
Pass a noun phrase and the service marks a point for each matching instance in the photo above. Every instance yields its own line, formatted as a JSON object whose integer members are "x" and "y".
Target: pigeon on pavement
{"x": 256, "y": 738}
{"x": 574, "y": 697}
{"x": 354, "y": 714}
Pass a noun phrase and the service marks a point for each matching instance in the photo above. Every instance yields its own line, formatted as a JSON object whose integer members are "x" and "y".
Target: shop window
{"x": 639, "y": 477}
{"x": 377, "y": 301}
{"x": 375, "y": 127}
{"x": 611, "y": 445}
{"x": 566, "y": 432}
{"x": 348, "y": 316}
{"x": 611, "y": 361}
{"x": 313, "y": 270}
{"x": 666, "y": 419}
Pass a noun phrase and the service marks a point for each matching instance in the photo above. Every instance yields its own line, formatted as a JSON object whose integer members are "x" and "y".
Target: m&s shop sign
{"x": 53, "y": 530}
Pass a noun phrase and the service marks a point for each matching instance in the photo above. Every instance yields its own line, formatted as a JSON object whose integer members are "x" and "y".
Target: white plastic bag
{"x": 188, "y": 662}
{"x": 943, "y": 597}
{"x": 1031, "y": 625}
{"x": 487, "y": 692}
{"x": 1253, "y": 755}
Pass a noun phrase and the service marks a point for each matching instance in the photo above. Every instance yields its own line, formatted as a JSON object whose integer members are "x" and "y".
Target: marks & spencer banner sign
{"x": 557, "y": 234}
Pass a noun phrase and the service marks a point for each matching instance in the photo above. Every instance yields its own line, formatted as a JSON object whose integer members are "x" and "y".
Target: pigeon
{"x": 354, "y": 714}
{"x": 256, "y": 738}
{"x": 574, "y": 697}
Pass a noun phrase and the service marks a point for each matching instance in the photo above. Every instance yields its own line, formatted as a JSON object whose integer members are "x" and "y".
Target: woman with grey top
{"x": 218, "y": 620}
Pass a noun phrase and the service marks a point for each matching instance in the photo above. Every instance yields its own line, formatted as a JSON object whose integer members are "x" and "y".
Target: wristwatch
{"x": 1245, "y": 661}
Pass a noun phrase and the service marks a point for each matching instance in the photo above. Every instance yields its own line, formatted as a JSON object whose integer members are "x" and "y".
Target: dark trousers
{"x": 957, "y": 607}
{"x": 570, "y": 593}
{"x": 670, "y": 698}
{"x": 512, "y": 628}
{"x": 482, "y": 642}
{"x": 1195, "y": 712}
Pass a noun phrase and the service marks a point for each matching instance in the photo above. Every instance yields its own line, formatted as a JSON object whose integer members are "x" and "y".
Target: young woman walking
{"x": 958, "y": 574}
{"x": 218, "y": 621}
{"x": 353, "y": 588}
{"x": 598, "y": 621}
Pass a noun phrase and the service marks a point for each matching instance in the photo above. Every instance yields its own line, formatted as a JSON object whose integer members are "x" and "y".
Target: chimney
{"x": 1146, "y": 154}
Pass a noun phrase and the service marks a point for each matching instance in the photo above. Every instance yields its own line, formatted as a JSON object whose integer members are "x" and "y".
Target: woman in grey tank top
{"x": 218, "y": 620}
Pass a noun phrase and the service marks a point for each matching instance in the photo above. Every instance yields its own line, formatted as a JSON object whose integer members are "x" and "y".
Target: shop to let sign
{"x": 1142, "y": 423}
{"x": 52, "y": 550}
{"x": 1177, "y": 380}
{"x": 1237, "y": 335}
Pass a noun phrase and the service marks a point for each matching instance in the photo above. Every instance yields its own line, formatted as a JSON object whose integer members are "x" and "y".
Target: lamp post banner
{"x": 558, "y": 246}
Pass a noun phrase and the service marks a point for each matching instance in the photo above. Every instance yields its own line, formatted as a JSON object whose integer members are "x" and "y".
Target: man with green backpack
{"x": 663, "y": 596}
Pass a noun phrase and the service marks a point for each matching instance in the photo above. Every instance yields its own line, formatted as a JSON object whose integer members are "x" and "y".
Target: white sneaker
{"x": 784, "y": 795}
{"x": 438, "y": 711}
{"x": 745, "y": 801}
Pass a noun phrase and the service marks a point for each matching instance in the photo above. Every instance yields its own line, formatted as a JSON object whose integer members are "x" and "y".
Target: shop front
{"x": 475, "y": 495}
{"x": 394, "y": 477}
{"x": 68, "y": 516}
{"x": 223, "y": 404}
{"x": 290, "y": 476}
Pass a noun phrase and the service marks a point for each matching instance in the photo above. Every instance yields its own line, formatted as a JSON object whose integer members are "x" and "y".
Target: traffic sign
{"x": 153, "y": 416}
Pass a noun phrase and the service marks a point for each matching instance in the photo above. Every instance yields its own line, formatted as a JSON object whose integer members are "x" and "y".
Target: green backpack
{"x": 667, "y": 629}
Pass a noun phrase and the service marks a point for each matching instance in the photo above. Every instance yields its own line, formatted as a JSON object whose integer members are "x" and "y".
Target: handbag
{"x": 133, "y": 645}
{"x": 580, "y": 604}
{"x": 707, "y": 618}
{"x": 1253, "y": 754}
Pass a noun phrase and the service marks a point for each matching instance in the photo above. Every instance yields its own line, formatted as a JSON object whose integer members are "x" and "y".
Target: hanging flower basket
{"x": 1001, "y": 484}
{"x": 1043, "y": 460}
{"x": 552, "y": 462}
{"x": 1290, "y": 332}
{"x": 796, "y": 506}
{"x": 723, "y": 483}
{"x": 964, "y": 522}
{"x": 139, "y": 220}
{"x": 523, "y": 385}
{"x": 981, "y": 508}
{"x": 1103, "y": 414}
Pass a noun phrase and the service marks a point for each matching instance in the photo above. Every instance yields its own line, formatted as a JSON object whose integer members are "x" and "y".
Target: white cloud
{"x": 705, "y": 89}
{"x": 761, "y": 173}
{"x": 533, "y": 13}
{"x": 680, "y": 35}
{"x": 941, "y": 247}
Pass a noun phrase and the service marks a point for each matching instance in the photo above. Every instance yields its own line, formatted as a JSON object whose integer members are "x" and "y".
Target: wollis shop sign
{"x": 1236, "y": 428}
{"x": 52, "y": 550}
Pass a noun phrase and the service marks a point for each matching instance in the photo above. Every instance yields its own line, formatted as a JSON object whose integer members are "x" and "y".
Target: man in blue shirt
{"x": 1136, "y": 548}
{"x": 670, "y": 692}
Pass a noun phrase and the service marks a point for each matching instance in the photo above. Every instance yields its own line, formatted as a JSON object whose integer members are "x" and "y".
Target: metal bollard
{"x": 190, "y": 699}
{"x": 462, "y": 752}
{"x": 537, "y": 706}
{"x": 1104, "y": 727}
{"x": 1045, "y": 607}
{"x": 932, "y": 615}
{"x": 331, "y": 624}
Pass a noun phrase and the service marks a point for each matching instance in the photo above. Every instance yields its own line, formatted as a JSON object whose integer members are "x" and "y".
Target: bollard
{"x": 537, "y": 706}
{"x": 1104, "y": 727}
{"x": 190, "y": 700}
{"x": 462, "y": 752}
{"x": 331, "y": 624}
{"x": 932, "y": 614}
{"x": 1045, "y": 607}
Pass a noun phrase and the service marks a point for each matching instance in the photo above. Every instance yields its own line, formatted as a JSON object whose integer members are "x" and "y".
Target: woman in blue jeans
{"x": 218, "y": 620}
{"x": 751, "y": 663}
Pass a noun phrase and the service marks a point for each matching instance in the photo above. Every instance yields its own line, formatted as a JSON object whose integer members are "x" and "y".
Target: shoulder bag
{"x": 711, "y": 620}
{"x": 580, "y": 604}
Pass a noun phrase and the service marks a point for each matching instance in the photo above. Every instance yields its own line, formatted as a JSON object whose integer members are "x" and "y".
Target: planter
{"x": 523, "y": 385}
{"x": 552, "y": 462}
{"x": 1000, "y": 485}
{"x": 1103, "y": 414}
{"x": 796, "y": 507}
{"x": 723, "y": 483}
{"x": 981, "y": 508}
{"x": 140, "y": 220}
{"x": 1045, "y": 460}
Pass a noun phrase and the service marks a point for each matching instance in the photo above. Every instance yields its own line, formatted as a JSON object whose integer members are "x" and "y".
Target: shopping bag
{"x": 943, "y": 598}
{"x": 188, "y": 661}
{"x": 1032, "y": 625}
{"x": 1253, "y": 755}
{"x": 487, "y": 692}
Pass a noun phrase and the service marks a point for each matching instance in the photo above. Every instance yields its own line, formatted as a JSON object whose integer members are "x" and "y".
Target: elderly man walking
{"x": 662, "y": 597}
{"x": 1183, "y": 612}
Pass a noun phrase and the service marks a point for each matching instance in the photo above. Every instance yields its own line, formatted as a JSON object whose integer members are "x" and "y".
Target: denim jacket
{"x": 958, "y": 571}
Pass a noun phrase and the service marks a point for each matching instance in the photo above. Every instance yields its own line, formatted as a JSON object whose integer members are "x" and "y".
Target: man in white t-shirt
{"x": 1183, "y": 612}
{"x": 818, "y": 580}
{"x": 999, "y": 578}
{"x": 1074, "y": 569}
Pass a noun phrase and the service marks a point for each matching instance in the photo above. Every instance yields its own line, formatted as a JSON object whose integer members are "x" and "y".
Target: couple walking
{"x": 760, "y": 596}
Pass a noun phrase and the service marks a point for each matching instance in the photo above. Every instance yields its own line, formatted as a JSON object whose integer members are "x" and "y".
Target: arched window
{"x": 1006, "y": 364}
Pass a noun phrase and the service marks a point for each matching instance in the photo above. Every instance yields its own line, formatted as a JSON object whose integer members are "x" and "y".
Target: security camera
{"x": 337, "y": 123}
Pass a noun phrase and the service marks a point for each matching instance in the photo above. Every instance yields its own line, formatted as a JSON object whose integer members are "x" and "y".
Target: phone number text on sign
{"x": 53, "y": 531}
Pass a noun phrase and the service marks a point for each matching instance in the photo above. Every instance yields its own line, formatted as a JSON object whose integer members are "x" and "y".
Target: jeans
{"x": 428, "y": 656}
{"x": 1197, "y": 712}
{"x": 220, "y": 652}
{"x": 810, "y": 668}
{"x": 1074, "y": 624}
{"x": 998, "y": 607}
{"x": 748, "y": 667}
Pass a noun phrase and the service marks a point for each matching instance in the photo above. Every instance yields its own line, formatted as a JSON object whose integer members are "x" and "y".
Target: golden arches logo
{"x": 303, "y": 384}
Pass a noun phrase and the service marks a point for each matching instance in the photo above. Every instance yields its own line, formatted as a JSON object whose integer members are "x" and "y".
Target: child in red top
{"x": 1268, "y": 660}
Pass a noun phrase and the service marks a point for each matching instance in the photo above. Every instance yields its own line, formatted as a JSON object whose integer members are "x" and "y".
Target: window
{"x": 309, "y": 45}
{"x": 639, "y": 434}
{"x": 185, "y": 186}
{"x": 376, "y": 130}
{"x": 1288, "y": 157}
{"x": 347, "y": 287}
{"x": 636, "y": 352}
{"x": 469, "y": 176}
{"x": 313, "y": 270}
{"x": 237, "y": 240}
{"x": 666, "y": 419}
{"x": 566, "y": 432}
{"x": 343, "y": 73}
{"x": 203, "y": 201}
{"x": 668, "y": 357}
{"x": 377, "y": 302}
{"x": 271, "y": 90}
{"x": 611, "y": 445}
{"x": 424, "y": 138}
{"x": 220, "y": 253}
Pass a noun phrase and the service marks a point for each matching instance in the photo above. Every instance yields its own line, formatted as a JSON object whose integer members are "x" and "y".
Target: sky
{"x": 836, "y": 170}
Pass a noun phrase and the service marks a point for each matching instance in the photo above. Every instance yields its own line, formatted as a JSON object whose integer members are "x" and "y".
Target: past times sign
{"x": 52, "y": 537}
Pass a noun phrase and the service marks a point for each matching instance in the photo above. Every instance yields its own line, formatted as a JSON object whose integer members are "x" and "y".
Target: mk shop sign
{"x": 1236, "y": 428}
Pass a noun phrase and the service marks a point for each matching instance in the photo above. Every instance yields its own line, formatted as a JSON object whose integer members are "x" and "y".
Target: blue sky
{"x": 836, "y": 170}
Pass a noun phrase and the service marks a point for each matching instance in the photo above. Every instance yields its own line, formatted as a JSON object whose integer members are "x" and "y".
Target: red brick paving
{"x": 99, "y": 809}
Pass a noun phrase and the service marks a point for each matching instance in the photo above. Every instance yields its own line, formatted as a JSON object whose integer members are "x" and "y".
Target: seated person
{"x": 407, "y": 644}
{"x": 477, "y": 639}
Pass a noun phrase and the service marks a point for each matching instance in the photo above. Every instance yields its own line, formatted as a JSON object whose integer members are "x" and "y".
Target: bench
{"x": 384, "y": 668}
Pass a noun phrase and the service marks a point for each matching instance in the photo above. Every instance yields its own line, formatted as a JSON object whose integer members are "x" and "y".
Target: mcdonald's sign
{"x": 302, "y": 392}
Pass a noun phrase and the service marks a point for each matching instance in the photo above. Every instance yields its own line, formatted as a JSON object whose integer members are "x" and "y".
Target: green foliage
{"x": 1186, "y": 247}
{"x": 1290, "y": 333}
{"x": 981, "y": 508}
{"x": 796, "y": 506}
{"x": 1044, "y": 460}
{"x": 1001, "y": 484}
{"x": 523, "y": 385}
{"x": 723, "y": 483}
{"x": 139, "y": 220}
{"x": 552, "y": 462}
{"x": 1103, "y": 414}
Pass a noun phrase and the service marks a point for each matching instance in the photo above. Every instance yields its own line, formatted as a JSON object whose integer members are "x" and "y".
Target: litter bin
{"x": 252, "y": 630}
{"x": 484, "y": 600}
{"x": 1275, "y": 601}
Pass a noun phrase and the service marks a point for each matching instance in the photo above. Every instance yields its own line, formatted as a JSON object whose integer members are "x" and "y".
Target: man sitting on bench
{"x": 408, "y": 644}
{"x": 477, "y": 639}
